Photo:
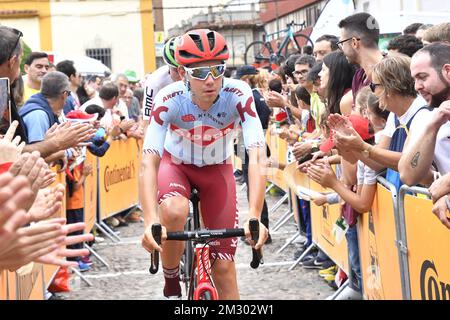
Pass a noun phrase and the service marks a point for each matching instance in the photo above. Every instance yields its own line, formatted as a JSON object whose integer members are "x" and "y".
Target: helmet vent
{"x": 197, "y": 40}
{"x": 211, "y": 40}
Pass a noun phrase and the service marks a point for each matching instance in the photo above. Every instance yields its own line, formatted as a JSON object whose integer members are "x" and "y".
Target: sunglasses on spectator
{"x": 339, "y": 43}
{"x": 201, "y": 73}
{"x": 19, "y": 35}
{"x": 373, "y": 86}
{"x": 302, "y": 72}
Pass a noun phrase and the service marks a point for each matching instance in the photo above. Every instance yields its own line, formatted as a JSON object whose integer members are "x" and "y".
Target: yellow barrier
{"x": 118, "y": 178}
{"x": 380, "y": 268}
{"x": 428, "y": 243}
{"x": 90, "y": 193}
{"x": 278, "y": 149}
{"x": 322, "y": 222}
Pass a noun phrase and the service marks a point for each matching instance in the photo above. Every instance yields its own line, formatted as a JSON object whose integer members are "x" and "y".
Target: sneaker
{"x": 341, "y": 277}
{"x": 329, "y": 278}
{"x": 329, "y": 271}
{"x": 99, "y": 239}
{"x": 300, "y": 239}
{"x": 83, "y": 267}
{"x": 112, "y": 222}
{"x": 311, "y": 264}
{"x": 323, "y": 263}
{"x": 311, "y": 254}
{"x": 349, "y": 294}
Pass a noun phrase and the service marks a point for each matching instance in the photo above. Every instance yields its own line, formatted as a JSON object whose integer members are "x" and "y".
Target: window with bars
{"x": 102, "y": 54}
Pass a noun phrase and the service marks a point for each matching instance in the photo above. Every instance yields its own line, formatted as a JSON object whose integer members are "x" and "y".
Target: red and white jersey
{"x": 200, "y": 137}
{"x": 155, "y": 82}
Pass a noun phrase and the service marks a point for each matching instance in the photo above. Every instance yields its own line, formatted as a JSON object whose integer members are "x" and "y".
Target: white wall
{"x": 29, "y": 28}
{"x": 78, "y": 26}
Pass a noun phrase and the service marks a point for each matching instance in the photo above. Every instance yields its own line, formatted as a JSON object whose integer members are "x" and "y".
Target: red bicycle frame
{"x": 204, "y": 281}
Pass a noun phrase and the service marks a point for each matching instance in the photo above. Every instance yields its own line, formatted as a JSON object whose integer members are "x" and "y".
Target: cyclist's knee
{"x": 224, "y": 270}
{"x": 174, "y": 211}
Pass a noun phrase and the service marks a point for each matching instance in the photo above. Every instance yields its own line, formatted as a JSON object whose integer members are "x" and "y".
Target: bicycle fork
{"x": 205, "y": 289}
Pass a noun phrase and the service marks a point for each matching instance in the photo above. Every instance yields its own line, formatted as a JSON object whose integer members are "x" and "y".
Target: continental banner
{"x": 118, "y": 178}
{"x": 428, "y": 242}
{"x": 378, "y": 253}
{"x": 90, "y": 193}
{"x": 322, "y": 223}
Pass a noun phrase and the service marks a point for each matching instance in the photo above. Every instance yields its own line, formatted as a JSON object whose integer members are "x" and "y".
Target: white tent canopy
{"x": 84, "y": 65}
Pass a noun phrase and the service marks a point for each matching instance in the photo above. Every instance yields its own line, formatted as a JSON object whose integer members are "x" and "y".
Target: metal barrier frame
{"x": 402, "y": 224}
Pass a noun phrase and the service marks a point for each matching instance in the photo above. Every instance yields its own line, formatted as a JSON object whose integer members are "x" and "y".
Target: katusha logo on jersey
{"x": 431, "y": 288}
{"x": 203, "y": 135}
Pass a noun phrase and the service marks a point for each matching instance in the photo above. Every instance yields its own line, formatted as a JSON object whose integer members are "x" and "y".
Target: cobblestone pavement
{"x": 128, "y": 277}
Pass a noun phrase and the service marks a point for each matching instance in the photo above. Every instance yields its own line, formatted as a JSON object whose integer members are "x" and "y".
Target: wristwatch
{"x": 366, "y": 152}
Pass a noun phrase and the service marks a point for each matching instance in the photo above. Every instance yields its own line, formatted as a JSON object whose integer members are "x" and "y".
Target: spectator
{"x": 394, "y": 87}
{"x": 133, "y": 80}
{"x": 288, "y": 67}
{"x": 67, "y": 67}
{"x": 122, "y": 84}
{"x": 36, "y": 67}
{"x": 412, "y": 29}
{"x": 132, "y": 104}
{"x": 324, "y": 45}
{"x": 307, "y": 50}
{"x": 303, "y": 64}
{"x": 336, "y": 81}
{"x": 405, "y": 44}
{"x": 42, "y": 110}
{"x": 437, "y": 33}
{"x": 421, "y": 31}
{"x": 63, "y": 137}
{"x": 430, "y": 68}
{"x": 359, "y": 42}
{"x": 85, "y": 92}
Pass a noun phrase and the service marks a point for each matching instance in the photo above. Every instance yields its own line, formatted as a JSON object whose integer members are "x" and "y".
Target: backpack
{"x": 397, "y": 142}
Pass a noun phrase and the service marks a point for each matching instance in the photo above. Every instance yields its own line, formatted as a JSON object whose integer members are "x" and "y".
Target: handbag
{"x": 349, "y": 214}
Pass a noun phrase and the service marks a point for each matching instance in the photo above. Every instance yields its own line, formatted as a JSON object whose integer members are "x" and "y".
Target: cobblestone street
{"x": 128, "y": 277}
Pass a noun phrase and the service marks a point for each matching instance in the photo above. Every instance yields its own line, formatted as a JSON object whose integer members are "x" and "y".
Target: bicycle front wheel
{"x": 206, "y": 295}
{"x": 258, "y": 52}
{"x": 295, "y": 46}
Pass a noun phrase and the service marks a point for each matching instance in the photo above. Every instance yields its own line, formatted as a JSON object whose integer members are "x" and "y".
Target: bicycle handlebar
{"x": 257, "y": 258}
{"x": 156, "y": 232}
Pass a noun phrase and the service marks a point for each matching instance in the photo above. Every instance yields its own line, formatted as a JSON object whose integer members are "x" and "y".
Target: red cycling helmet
{"x": 201, "y": 45}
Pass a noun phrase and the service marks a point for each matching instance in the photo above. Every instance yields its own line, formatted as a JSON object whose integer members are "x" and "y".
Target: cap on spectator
{"x": 281, "y": 116}
{"x": 245, "y": 70}
{"x": 81, "y": 116}
{"x": 360, "y": 124}
{"x": 131, "y": 76}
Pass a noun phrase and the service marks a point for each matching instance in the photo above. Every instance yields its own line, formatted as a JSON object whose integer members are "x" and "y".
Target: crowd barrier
{"x": 404, "y": 248}
{"x": 111, "y": 188}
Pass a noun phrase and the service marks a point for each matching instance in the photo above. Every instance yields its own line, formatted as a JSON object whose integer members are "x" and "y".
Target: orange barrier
{"x": 380, "y": 267}
{"x": 29, "y": 282}
{"x": 322, "y": 222}
{"x": 3, "y": 285}
{"x": 118, "y": 178}
{"x": 90, "y": 193}
{"x": 428, "y": 248}
{"x": 278, "y": 149}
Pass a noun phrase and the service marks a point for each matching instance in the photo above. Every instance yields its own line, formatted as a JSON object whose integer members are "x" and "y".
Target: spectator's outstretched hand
{"x": 14, "y": 191}
{"x": 440, "y": 187}
{"x": 322, "y": 173}
{"x": 440, "y": 209}
{"x": 441, "y": 115}
{"x": 48, "y": 202}
{"x": 57, "y": 256}
{"x": 10, "y": 147}
{"x": 275, "y": 100}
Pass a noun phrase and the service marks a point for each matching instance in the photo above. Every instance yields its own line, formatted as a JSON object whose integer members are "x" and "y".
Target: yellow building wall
{"x": 148, "y": 40}
{"x": 44, "y": 15}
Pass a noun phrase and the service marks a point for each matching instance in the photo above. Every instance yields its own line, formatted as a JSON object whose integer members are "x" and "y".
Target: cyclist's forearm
{"x": 257, "y": 181}
{"x": 148, "y": 188}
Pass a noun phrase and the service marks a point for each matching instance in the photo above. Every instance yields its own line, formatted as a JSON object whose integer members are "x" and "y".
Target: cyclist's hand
{"x": 263, "y": 235}
{"x": 149, "y": 243}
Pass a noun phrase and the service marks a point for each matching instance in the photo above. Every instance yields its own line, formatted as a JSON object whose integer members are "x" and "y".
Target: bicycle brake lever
{"x": 253, "y": 225}
{"x": 156, "y": 233}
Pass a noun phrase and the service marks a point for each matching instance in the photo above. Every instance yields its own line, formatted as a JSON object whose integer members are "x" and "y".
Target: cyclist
{"x": 163, "y": 76}
{"x": 189, "y": 140}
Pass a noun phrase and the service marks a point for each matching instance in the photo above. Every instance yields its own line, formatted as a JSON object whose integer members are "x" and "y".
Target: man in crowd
{"x": 36, "y": 67}
{"x": 324, "y": 45}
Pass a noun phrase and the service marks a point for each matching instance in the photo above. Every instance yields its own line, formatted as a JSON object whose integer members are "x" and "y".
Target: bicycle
{"x": 196, "y": 265}
{"x": 262, "y": 54}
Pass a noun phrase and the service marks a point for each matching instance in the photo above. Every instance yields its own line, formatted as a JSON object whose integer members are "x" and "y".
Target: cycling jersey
{"x": 194, "y": 136}
{"x": 155, "y": 82}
